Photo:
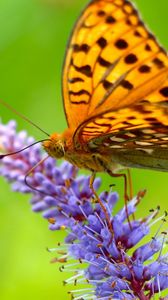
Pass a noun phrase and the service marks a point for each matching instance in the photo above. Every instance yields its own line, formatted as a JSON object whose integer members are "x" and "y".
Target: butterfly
{"x": 115, "y": 93}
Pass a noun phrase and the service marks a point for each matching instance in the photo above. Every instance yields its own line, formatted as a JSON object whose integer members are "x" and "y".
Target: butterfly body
{"x": 98, "y": 159}
{"x": 115, "y": 92}
{"x": 62, "y": 146}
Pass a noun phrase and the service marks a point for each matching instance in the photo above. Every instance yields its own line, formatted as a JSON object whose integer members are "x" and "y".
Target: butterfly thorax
{"x": 62, "y": 146}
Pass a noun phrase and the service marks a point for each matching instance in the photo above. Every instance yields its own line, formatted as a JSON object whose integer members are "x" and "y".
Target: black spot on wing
{"x": 137, "y": 33}
{"x": 121, "y": 44}
{"x": 148, "y": 47}
{"x": 101, "y": 13}
{"x": 164, "y": 91}
{"x": 126, "y": 84}
{"x": 131, "y": 118}
{"x": 159, "y": 63}
{"x": 131, "y": 58}
{"x": 141, "y": 108}
{"x": 86, "y": 70}
{"x": 128, "y": 22}
{"x": 79, "y": 93}
{"x": 79, "y": 102}
{"x": 102, "y": 42}
{"x": 103, "y": 62}
{"x": 110, "y": 20}
{"x": 152, "y": 120}
{"x": 83, "y": 48}
{"x": 75, "y": 79}
{"x": 107, "y": 84}
{"x": 144, "y": 69}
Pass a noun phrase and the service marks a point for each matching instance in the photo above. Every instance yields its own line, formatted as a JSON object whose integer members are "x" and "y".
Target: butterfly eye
{"x": 58, "y": 150}
{"x": 54, "y": 148}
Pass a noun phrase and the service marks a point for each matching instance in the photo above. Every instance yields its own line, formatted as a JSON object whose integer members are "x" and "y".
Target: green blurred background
{"x": 33, "y": 37}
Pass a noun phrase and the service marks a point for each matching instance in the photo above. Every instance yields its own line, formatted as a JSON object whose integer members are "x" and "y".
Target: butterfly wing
{"x": 133, "y": 137}
{"x": 112, "y": 61}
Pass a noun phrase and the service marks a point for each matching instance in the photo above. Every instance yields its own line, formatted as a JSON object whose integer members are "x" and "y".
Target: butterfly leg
{"x": 92, "y": 178}
{"x": 126, "y": 198}
{"x": 130, "y": 188}
{"x": 130, "y": 184}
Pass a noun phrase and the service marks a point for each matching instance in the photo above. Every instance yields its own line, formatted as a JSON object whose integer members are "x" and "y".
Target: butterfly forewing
{"x": 115, "y": 85}
{"x": 109, "y": 49}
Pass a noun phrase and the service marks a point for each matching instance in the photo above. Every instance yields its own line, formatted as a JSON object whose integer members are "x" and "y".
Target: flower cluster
{"x": 115, "y": 264}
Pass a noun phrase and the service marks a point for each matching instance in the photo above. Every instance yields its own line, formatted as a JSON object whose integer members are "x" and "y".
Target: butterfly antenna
{"x": 16, "y": 152}
{"x": 22, "y": 116}
{"x": 31, "y": 171}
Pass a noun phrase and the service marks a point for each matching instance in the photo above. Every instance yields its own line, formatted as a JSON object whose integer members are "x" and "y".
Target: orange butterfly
{"x": 115, "y": 90}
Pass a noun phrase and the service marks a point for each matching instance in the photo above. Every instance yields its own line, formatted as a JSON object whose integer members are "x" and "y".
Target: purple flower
{"x": 114, "y": 271}
{"x": 56, "y": 190}
{"x": 115, "y": 261}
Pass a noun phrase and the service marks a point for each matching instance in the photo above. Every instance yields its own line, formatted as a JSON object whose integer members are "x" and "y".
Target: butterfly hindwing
{"x": 135, "y": 137}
